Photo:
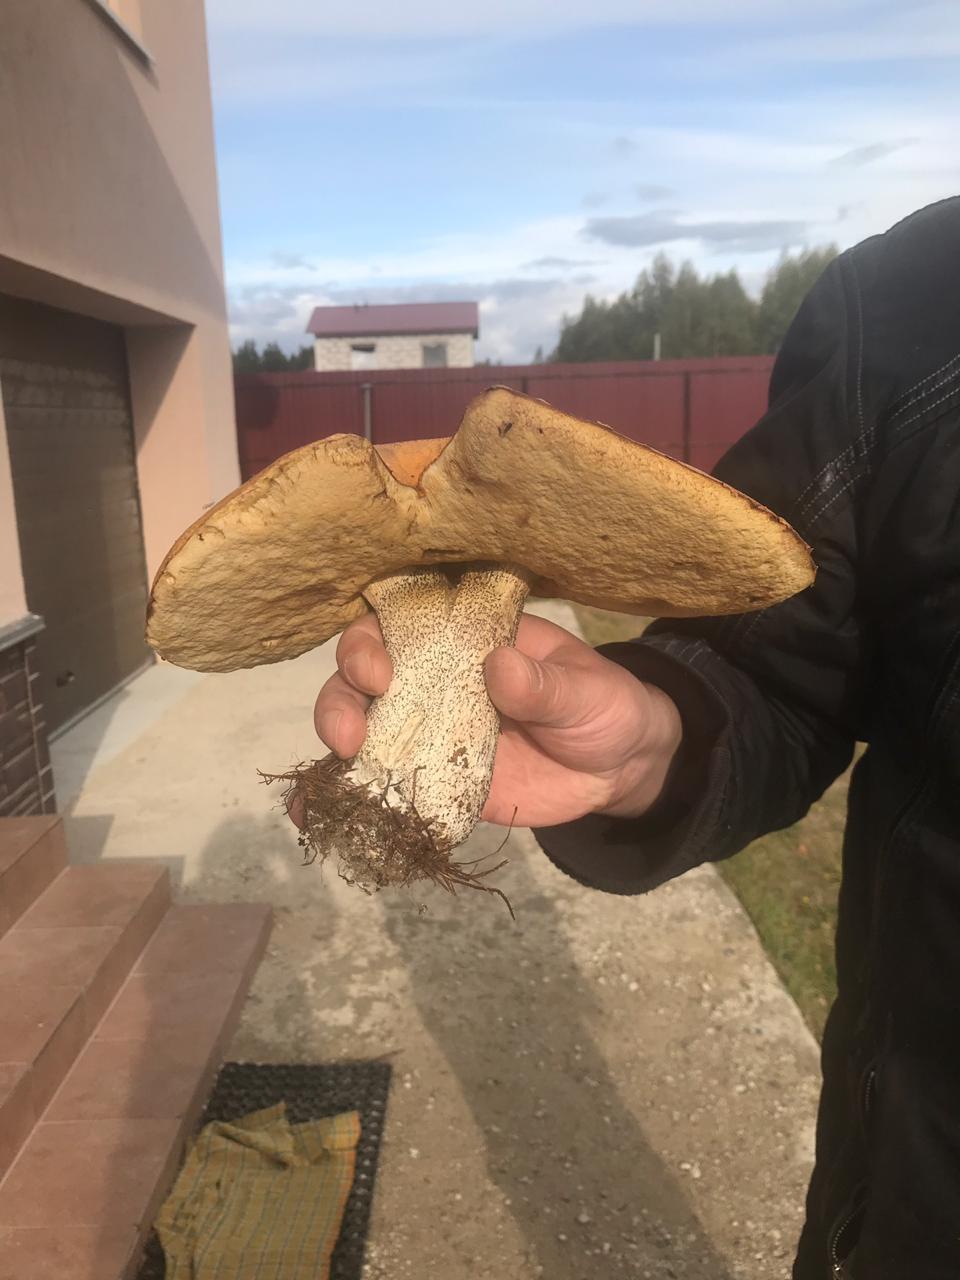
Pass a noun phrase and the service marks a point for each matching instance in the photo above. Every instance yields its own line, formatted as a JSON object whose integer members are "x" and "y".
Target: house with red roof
{"x": 407, "y": 335}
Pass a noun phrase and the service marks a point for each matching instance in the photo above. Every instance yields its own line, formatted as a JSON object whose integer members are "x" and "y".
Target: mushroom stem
{"x": 432, "y": 737}
{"x": 417, "y": 787}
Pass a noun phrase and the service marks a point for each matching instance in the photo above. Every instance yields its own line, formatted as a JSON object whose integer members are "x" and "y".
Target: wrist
{"x": 642, "y": 778}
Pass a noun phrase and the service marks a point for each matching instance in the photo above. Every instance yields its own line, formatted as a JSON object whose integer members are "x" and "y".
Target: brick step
{"x": 61, "y": 965}
{"x": 79, "y": 1200}
{"x": 33, "y": 852}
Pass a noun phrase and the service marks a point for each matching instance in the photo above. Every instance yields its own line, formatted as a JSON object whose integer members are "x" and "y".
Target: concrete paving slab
{"x": 114, "y": 724}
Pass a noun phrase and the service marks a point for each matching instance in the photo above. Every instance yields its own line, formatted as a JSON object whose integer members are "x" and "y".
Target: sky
{"x": 526, "y": 153}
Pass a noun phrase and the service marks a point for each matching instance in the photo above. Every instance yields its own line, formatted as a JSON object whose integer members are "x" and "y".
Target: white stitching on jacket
{"x": 926, "y": 409}
{"x": 830, "y": 499}
{"x": 840, "y": 460}
{"x": 834, "y": 497}
{"x": 856, "y": 286}
{"x": 803, "y": 511}
{"x": 913, "y": 394}
{"x": 937, "y": 386}
{"x": 847, "y": 456}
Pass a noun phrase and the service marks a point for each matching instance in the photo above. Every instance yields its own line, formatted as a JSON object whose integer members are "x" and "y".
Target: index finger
{"x": 361, "y": 657}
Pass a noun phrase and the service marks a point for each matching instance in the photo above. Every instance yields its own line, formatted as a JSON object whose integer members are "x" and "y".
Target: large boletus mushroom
{"x": 444, "y": 539}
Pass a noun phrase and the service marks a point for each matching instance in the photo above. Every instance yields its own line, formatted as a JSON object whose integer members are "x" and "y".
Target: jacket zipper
{"x": 837, "y": 1259}
{"x": 946, "y": 678}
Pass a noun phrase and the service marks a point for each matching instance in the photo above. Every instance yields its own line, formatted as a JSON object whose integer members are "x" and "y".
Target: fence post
{"x": 687, "y": 425}
{"x": 366, "y": 391}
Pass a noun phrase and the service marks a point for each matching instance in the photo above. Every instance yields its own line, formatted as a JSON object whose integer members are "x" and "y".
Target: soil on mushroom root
{"x": 375, "y": 843}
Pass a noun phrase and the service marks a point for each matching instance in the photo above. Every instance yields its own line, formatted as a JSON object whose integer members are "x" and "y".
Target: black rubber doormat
{"x": 310, "y": 1091}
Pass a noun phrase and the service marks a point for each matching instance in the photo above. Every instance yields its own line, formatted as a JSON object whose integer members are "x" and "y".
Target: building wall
{"x": 395, "y": 351}
{"x": 13, "y": 602}
{"x": 109, "y": 208}
{"x": 26, "y": 777}
{"x": 121, "y": 221}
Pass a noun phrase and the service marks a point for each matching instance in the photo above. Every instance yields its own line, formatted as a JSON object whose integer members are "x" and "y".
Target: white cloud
{"x": 315, "y": 51}
{"x": 516, "y": 315}
{"x": 478, "y": 255}
{"x": 904, "y": 31}
{"x": 513, "y": 328}
{"x": 706, "y": 151}
{"x": 520, "y": 312}
{"x": 291, "y": 261}
{"x": 268, "y": 71}
{"x": 666, "y": 227}
{"x": 830, "y": 165}
{"x": 857, "y": 157}
{"x": 433, "y": 19}
{"x": 554, "y": 263}
{"x": 780, "y": 188}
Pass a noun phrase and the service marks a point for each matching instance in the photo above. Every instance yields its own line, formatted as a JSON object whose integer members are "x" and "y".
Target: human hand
{"x": 579, "y": 734}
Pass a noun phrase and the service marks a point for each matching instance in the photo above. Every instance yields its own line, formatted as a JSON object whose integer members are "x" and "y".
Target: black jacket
{"x": 860, "y": 451}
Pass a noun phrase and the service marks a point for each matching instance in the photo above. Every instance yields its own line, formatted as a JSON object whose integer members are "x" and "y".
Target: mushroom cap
{"x": 281, "y": 564}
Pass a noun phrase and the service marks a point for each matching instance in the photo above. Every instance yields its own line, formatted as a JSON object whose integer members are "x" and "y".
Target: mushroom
{"x": 444, "y": 539}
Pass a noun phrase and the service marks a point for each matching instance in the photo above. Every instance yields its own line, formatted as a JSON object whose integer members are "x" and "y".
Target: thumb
{"x": 532, "y": 692}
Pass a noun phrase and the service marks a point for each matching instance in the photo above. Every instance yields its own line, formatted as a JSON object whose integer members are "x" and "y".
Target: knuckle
{"x": 552, "y": 692}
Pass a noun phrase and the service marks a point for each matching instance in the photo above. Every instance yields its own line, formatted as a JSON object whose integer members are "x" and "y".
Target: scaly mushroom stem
{"x": 418, "y": 785}
{"x": 431, "y": 738}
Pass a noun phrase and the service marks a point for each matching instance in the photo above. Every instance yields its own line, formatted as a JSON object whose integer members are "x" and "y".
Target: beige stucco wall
{"x": 109, "y": 207}
{"x": 331, "y": 355}
{"x": 13, "y": 604}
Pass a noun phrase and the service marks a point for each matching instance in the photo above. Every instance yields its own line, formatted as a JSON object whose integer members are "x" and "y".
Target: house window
{"x": 126, "y": 18}
{"x": 434, "y": 355}
{"x": 128, "y": 11}
{"x": 363, "y": 355}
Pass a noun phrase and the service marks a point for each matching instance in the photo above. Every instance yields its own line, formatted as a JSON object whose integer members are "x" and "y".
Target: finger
{"x": 362, "y": 659}
{"x": 538, "y": 693}
{"x": 295, "y": 809}
{"x": 368, "y": 623}
{"x": 538, "y": 638}
{"x": 340, "y": 716}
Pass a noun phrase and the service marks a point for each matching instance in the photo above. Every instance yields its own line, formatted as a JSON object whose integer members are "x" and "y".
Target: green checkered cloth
{"x": 260, "y": 1199}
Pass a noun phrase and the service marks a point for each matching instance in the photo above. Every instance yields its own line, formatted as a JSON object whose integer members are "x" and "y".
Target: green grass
{"x": 786, "y": 881}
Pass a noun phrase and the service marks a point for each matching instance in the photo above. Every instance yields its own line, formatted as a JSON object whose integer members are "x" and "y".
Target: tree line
{"x": 272, "y": 359}
{"x": 694, "y": 315}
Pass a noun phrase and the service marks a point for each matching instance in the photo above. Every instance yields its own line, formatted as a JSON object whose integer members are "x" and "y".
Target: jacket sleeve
{"x": 770, "y": 702}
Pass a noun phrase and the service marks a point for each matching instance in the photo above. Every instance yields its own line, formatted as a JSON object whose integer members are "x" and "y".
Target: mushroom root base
{"x": 337, "y": 815}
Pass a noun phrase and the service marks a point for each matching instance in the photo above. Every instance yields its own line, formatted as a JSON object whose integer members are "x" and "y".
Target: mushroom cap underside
{"x": 280, "y": 565}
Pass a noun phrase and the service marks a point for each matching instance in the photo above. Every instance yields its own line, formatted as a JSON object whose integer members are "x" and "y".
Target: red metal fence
{"x": 692, "y": 409}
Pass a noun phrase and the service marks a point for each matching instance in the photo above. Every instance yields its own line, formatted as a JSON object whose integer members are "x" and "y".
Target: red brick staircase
{"x": 116, "y": 1008}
